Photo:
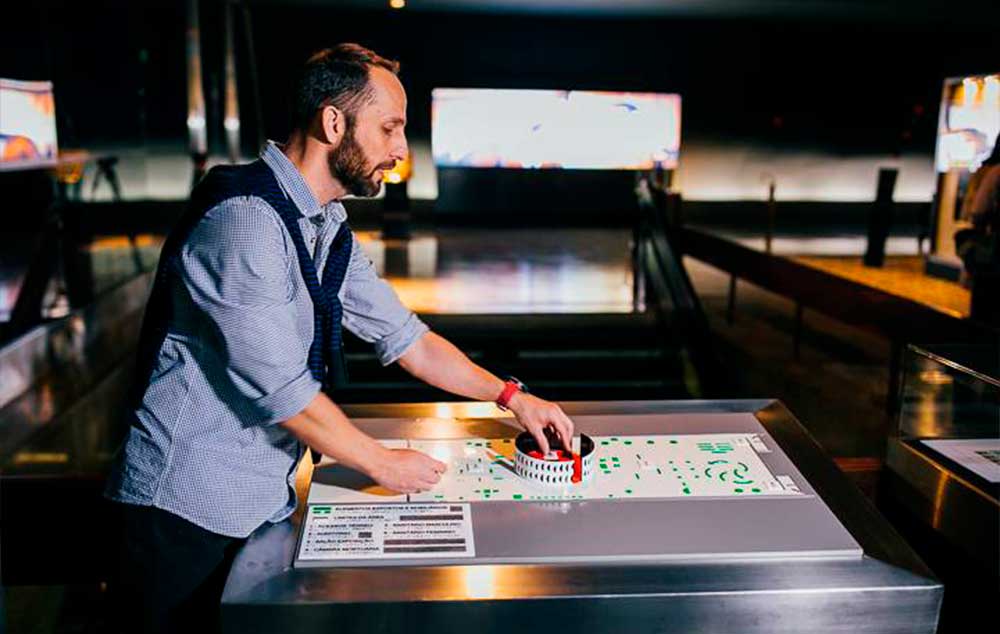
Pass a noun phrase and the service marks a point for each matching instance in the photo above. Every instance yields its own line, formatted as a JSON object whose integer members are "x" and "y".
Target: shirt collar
{"x": 295, "y": 187}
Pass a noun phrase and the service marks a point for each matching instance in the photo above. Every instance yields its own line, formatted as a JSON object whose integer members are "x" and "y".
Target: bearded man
{"x": 240, "y": 353}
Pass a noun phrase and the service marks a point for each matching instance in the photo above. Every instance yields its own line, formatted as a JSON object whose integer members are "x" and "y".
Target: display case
{"x": 944, "y": 459}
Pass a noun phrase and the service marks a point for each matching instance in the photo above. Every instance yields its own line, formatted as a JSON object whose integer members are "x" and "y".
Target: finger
{"x": 569, "y": 427}
{"x": 426, "y": 484}
{"x": 426, "y": 474}
{"x": 565, "y": 435}
{"x": 557, "y": 429}
{"x": 417, "y": 485}
{"x": 543, "y": 442}
{"x": 568, "y": 436}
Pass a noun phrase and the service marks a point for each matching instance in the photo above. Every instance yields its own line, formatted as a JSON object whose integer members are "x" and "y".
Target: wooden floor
{"x": 901, "y": 275}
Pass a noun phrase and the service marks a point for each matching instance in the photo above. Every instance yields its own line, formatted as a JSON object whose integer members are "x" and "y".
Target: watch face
{"x": 521, "y": 386}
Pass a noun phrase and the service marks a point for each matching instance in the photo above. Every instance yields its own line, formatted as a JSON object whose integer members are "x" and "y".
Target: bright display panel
{"x": 553, "y": 129}
{"x": 969, "y": 122}
{"x": 27, "y": 124}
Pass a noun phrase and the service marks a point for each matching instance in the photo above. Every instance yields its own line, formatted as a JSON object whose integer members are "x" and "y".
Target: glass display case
{"x": 944, "y": 459}
{"x": 950, "y": 407}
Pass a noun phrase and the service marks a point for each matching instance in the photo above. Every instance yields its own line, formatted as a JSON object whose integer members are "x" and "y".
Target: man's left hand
{"x": 535, "y": 414}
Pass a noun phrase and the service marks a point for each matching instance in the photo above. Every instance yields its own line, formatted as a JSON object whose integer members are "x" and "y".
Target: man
{"x": 242, "y": 331}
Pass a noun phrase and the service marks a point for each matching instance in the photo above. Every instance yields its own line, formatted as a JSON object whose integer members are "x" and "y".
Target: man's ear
{"x": 331, "y": 125}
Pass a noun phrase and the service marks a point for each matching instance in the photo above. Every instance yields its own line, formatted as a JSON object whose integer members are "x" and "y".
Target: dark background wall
{"x": 848, "y": 85}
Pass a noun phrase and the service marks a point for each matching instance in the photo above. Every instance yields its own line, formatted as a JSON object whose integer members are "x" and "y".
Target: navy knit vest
{"x": 326, "y": 358}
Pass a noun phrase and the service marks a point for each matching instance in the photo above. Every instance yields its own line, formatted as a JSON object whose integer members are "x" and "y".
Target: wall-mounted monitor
{"x": 969, "y": 122}
{"x": 27, "y": 124}
{"x": 553, "y": 129}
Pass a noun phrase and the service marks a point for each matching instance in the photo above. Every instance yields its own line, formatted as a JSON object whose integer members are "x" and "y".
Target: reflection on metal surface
{"x": 469, "y": 410}
{"x": 142, "y": 240}
{"x": 421, "y": 254}
{"x": 929, "y": 400}
{"x": 962, "y": 513}
{"x": 928, "y": 416}
{"x": 939, "y": 500}
{"x": 46, "y": 404}
{"x": 40, "y": 457}
{"x": 826, "y": 246}
{"x": 507, "y": 271}
{"x": 942, "y": 397}
{"x": 443, "y": 410}
{"x": 518, "y": 290}
{"x": 442, "y": 452}
{"x": 197, "y": 135}
{"x": 414, "y": 258}
{"x": 935, "y": 377}
{"x": 480, "y": 581}
{"x": 62, "y": 387}
{"x": 232, "y": 103}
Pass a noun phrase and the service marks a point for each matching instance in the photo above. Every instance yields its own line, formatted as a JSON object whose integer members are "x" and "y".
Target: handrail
{"x": 670, "y": 286}
{"x": 896, "y": 317}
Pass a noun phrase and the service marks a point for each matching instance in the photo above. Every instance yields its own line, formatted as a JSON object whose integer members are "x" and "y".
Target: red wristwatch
{"x": 510, "y": 388}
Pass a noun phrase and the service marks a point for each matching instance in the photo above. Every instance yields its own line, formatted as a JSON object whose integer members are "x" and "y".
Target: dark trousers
{"x": 170, "y": 573}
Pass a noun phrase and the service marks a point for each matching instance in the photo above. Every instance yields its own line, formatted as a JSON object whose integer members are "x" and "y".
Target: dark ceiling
{"x": 853, "y": 10}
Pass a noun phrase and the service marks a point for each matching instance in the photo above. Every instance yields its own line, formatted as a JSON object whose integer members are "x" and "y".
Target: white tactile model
{"x": 716, "y": 486}
{"x": 654, "y": 466}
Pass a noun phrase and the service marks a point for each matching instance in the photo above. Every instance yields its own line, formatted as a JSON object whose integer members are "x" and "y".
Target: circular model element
{"x": 560, "y": 467}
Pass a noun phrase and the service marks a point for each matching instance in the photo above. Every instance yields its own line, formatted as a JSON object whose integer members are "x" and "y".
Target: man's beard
{"x": 349, "y": 166}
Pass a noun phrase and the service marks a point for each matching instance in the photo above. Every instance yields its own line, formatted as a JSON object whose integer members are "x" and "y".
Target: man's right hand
{"x": 407, "y": 471}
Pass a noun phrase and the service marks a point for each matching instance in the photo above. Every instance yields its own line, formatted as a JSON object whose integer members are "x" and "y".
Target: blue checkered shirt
{"x": 205, "y": 443}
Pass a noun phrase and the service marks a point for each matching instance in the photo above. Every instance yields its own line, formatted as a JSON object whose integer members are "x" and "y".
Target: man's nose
{"x": 400, "y": 150}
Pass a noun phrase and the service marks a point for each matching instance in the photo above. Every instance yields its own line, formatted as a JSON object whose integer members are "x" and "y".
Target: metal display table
{"x": 723, "y": 548}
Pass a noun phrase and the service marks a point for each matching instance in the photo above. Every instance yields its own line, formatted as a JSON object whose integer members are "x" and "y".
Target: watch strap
{"x": 510, "y": 388}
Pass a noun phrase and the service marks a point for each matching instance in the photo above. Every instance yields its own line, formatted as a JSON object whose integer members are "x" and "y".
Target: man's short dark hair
{"x": 336, "y": 76}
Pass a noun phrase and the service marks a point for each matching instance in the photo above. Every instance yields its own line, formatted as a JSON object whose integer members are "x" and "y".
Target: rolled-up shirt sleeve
{"x": 373, "y": 312}
{"x": 235, "y": 266}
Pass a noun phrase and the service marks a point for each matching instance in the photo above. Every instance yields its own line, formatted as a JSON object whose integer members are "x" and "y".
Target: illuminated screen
{"x": 969, "y": 123}
{"x": 27, "y": 124}
{"x": 555, "y": 129}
